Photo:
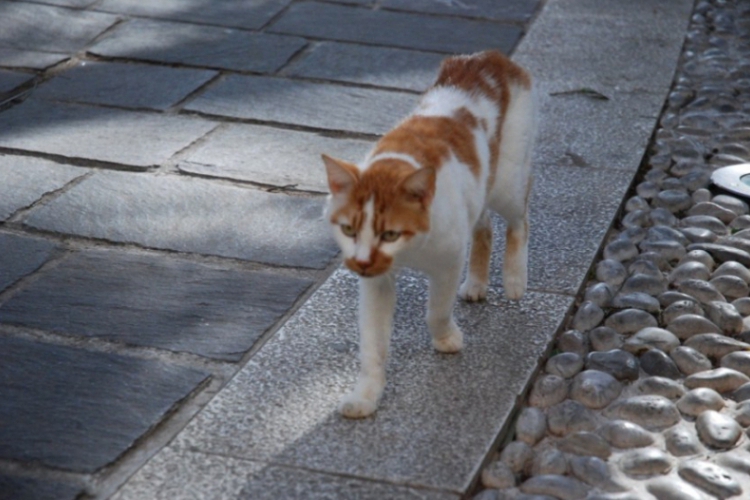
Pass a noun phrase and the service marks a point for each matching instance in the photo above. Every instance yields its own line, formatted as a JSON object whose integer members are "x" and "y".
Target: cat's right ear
{"x": 342, "y": 176}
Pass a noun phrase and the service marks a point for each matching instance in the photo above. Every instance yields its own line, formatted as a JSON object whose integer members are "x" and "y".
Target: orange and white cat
{"x": 421, "y": 197}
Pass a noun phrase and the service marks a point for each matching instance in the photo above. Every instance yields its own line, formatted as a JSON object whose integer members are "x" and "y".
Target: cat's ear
{"x": 420, "y": 186}
{"x": 342, "y": 176}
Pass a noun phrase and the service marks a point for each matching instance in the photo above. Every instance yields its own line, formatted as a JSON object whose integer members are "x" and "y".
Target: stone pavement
{"x": 173, "y": 322}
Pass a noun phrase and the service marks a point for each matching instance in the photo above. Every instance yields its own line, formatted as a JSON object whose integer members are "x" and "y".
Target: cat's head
{"x": 377, "y": 213}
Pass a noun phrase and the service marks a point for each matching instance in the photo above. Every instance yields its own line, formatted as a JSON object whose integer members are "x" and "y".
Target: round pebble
{"x": 645, "y": 462}
{"x": 498, "y": 475}
{"x": 725, "y": 316}
{"x": 699, "y": 256}
{"x": 743, "y": 306}
{"x": 611, "y": 271}
{"x": 624, "y": 434}
{"x": 688, "y": 325}
{"x": 719, "y": 379}
{"x": 673, "y": 489}
{"x": 620, "y": 250}
{"x": 588, "y": 316}
{"x": 517, "y": 455}
{"x": 600, "y": 294}
{"x": 644, "y": 283}
{"x": 573, "y": 341}
{"x": 717, "y": 430}
{"x": 738, "y": 360}
{"x": 595, "y": 472}
{"x": 549, "y": 460}
{"x": 680, "y": 308}
{"x": 732, "y": 268}
{"x": 570, "y": 416}
{"x": 712, "y": 209}
{"x": 565, "y": 364}
{"x": 595, "y": 389}
{"x": 604, "y": 338}
{"x": 699, "y": 235}
{"x": 682, "y": 441}
{"x": 650, "y": 412}
{"x": 710, "y": 477}
{"x": 586, "y": 444}
{"x": 562, "y": 487}
{"x": 531, "y": 425}
{"x": 659, "y": 386}
{"x": 637, "y": 300}
{"x": 691, "y": 270}
{"x": 673, "y": 200}
{"x": 696, "y": 401}
{"x": 620, "y": 364}
{"x": 657, "y": 362}
{"x": 703, "y": 291}
{"x": 731, "y": 287}
{"x": 706, "y": 222}
{"x": 715, "y": 345}
{"x": 732, "y": 203}
{"x": 690, "y": 361}
{"x": 669, "y": 297}
{"x": 741, "y": 414}
{"x": 630, "y": 321}
{"x": 548, "y": 390}
{"x": 651, "y": 338}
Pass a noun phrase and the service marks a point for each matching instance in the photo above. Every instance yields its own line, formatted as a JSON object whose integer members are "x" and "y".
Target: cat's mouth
{"x": 376, "y": 267}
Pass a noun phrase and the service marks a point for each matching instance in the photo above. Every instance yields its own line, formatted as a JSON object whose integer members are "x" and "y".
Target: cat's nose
{"x": 363, "y": 264}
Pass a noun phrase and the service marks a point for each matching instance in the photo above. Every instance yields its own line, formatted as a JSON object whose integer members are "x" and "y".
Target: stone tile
{"x": 21, "y": 255}
{"x": 69, "y": 3}
{"x": 27, "y": 179}
{"x": 20, "y": 58}
{"x": 12, "y": 79}
{"x": 284, "y": 401}
{"x": 67, "y": 130}
{"x": 157, "y": 302}
{"x": 271, "y": 156}
{"x": 195, "y": 45}
{"x": 317, "y": 105}
{"x": 20, "y": 488}
{"x": 395, "y": 29}
{"x": 46, "y": 28}
{"x": 364, "y": 64}
{"x": 84, "y": 409}
{"x": 193, "y": 215}
{"x": 507, "y": 10}
{"x": 179, "y": 473}
{"x": 567, "y": 222}
{"x": 250, "y": 14}
{"x": 126, "y": 85}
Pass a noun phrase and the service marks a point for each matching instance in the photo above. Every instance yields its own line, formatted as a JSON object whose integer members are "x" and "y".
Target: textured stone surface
{"x": 251, "y": 14}
{"x": 317, "y": 105}
{"x": 125, "y": 85}
{"x": 19, "y": 488}
{"x": 65, "y": 129}
{"x": 153, "y": 301}
{"x": 271, "y": 418}
{"x": 21, "y": 58}
{"x": 271, "y": 156}
{"x": 512, "y": 10}
{"x": 25, "y": 180}
{"x": 719, "y": 379}
{"x": 710, "y": 477}
{"x": 570, "y": 416}
{"x": 347, "y": 23}
{"x": 88, "y": 410}
{"x": 51, "y": 29}
{"x": 379, "y": 66}
{"x": 563, "y": 487}
{"x": 195, "y": 45}
{"x": 531, "y": 425}
{"x": 651, "y": 412}
{"x": 191, "y": 215}
{"x": 682, "y": 441}
{"x": 594, "y": 388}
{"x": 645, "y": 462}
{"x": 12, "y": 79}
{"x": 717, "y": 430}
{"x": 651, "y": 338}
{"x": 585, "y": 444}
{"x": 21, "y": 255}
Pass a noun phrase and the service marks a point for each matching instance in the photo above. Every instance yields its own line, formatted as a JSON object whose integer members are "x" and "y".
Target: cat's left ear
{"x": 420, "y": 186}
{"x": 342, "y": 176}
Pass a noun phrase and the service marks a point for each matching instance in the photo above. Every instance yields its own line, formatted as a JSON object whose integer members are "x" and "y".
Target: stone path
{"x": 173, "y": 323}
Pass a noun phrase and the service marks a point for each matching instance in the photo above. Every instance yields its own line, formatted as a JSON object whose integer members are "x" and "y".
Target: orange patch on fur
{"x": 514, "y": 241}
{"x": 481, "y": 250}
{"x": 379, "y": 264}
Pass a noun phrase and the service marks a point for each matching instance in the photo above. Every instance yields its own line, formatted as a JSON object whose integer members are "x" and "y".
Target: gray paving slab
{"x": 20, "y": 488}
{"x": 507, "y": 10}
{"x": 125, "y": 85}
{"x": 317, "y": 105}
{"x": 85, "y": 408}
{"x": 272, "y": 156}
{"x": 439, "y": 414}
{"x": 48, "y": 28}
{"x": 69, "y": 3}
{"x": 20, "y": 256}
{"x": 12, "y": 79}
{"x": 93, "y": 133}
{"x": 155, "y": 301}
{"x": 379, "y": 66}
{"x": 195, "y": 45}
{"x": 27, "y": 179}
{"x": 192, "y": 215}
{"x": 21, "y": 58}
{"x": 250, "y": 14}
{"x": 395, "y": 29}
{"x": 208, "y": 476}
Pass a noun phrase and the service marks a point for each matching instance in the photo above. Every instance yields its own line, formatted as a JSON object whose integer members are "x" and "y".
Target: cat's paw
{"x": 450, "y": 343}
{"x": 471, "y": 291}
{"x": 514, "y": 288}
{"x": 353, "y": 405}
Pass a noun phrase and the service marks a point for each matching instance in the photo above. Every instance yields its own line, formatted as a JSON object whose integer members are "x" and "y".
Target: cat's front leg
{"x": 377, "y": 300}
{"x": 446, "y": 336}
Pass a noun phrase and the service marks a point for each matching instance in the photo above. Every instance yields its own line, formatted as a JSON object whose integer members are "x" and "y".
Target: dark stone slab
{"x": 507, "y": 10}
{"x": 252, "y": 14}
{"x": 70, "y": 3}
{"x": 46, "y": 28}
{"x": 269, "y": 155}
{"x": 126, "y": 85}
{"x": 154, "y": 301}
{"x": 68, "y": 130}
{"x": 83, "y": 409}
{"x": 12, "y": 79}
{"x": 196, "y": 45}
{"x": 193, "y": 215}
{"x": 26, "y": 179}
{"x": 317, "y": 105}
{"x": 21, "y": 488}
{"x": 380, "y": 66}
{"x": 21, "y": 255}
{"x": 395, "y": 29}
{"x": 20, "y": 58}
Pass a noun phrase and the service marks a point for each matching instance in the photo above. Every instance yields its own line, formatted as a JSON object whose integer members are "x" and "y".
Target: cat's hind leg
{"x": 474, "y": 287}
{"x": 377, "y": 300}
{"x": 446, "y": 336}
{"x": 515, "y": 263}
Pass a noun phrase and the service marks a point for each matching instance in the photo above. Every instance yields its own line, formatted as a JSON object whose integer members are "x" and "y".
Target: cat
{"x": 421, "y": 198}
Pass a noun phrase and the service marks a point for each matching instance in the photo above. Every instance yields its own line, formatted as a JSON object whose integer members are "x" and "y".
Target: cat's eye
{"x": 348, "y": 230}
{"x": 390, "y": 236}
